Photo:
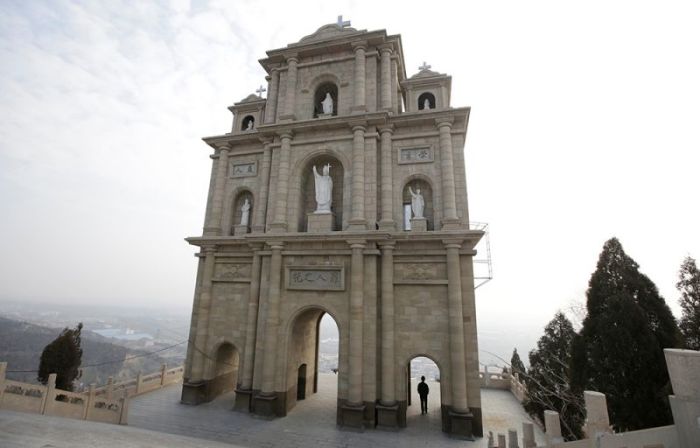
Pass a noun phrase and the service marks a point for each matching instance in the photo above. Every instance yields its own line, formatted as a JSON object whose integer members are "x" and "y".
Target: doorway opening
{"x": 418, "y": 367}
{"x": 313, "y": 364}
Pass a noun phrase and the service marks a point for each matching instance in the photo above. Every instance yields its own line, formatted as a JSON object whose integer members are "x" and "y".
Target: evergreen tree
{"x": 619, "y": 351}
{"x": 516, "y": 364}
{"x": 62, "y": 356}
{"x": 547, "y": 378}
{"x": 689, "y": 287}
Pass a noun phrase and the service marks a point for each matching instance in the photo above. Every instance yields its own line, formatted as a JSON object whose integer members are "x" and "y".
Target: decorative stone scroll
{"x": 244, "y": 169}
{"x": 422, "y": 154}
{"x": 316, "y": 278}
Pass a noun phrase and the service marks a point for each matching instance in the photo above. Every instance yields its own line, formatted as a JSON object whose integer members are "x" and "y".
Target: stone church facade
{"x": 397, "y": 286}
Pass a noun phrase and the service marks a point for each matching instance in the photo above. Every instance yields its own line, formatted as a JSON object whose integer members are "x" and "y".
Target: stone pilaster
{"x": 290, "y": 99}
{"x": 260, "y": 205}
{"x": 385, "y": 77}
{"x": 279, "y": 223}
{"x": 272, "y": 92}
{"x": 387, "y": 192}
{"x": 456, "y": 327}
{"x": 272, "y": 324}
{"x": 244, "y": 392}
{"x": 359, "y": 105}
{"x": 449, "y": 202}
{"x": 356, "y": 321}
{"x": 388, "y": 396}
{"x": 213, "y": 226}
{"x": 357, "y": 216}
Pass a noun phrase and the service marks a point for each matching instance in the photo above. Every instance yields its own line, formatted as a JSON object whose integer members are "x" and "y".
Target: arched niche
{"x": 426, "y": 96}
{"x": 237, "y": 212}
{"x": 248, "y": 123}
{"x": 308, "y": 190}
{"x": 426, "y": 190}
{"x": 322, "y": 89}
{"x": 224, "y": 372}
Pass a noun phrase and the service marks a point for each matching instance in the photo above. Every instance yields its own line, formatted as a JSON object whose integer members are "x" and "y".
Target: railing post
{"x": 50, "y": 395}
{"x": 552, "y": 427}
{"x": 502, "y": 441}
{"x": 512, "y": 438}
{"x": 163, "y": 368}
{"x": 110, "y": 387}
{"x": 90, "y": 402}
{"x": 486, "y": 376}
{"x": 138, "y": 383}
{"x": 3, "y": 372}
{"x": 528, "y": 435}
{"x": 124, "y": 414}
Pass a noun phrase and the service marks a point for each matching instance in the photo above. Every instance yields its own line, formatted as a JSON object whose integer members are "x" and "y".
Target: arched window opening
{"x": 412, "y": 204}
{"x": 426, "y": 99}
{"x": 308, "y": 190}
{"x": 242, "y": 213}
{"x": 248, "y": 123}
{"x": 325, "y": 98}
{"x": 313, "y": 359}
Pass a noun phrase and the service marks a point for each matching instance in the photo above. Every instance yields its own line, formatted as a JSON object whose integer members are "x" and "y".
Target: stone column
{"x": 252, "y": 319}
{"x": 385, "y": 77}
{"x": 279, "y": 224}
{"x": 356, "y": 322}
{"x": 449, "y": 203}
{"x": 357, "y": 217}
{"x": 213, "y": 226}
{"x": 456, "y": 327}
{"x": 260, "y": 204}
{"x": 201, "y": 334}
{"x": 360, "y": 75}
{"x": 290, "y": 99}
{"x": 387, "y": 187}
{"x": 388, "y": 397}
{"x": 272, "y": 89}
{"x": 272, "y": 324}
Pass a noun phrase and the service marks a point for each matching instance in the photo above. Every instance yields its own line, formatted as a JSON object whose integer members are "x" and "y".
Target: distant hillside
{"x": 21, "y": 345}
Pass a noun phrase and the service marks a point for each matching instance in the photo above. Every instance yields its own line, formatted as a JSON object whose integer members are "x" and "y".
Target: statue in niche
{"x": 327, "y": 104}
{"x": 324, "y": 189}
{"x": 250, "y": 125}
{"x": 426, "y": 104}
{"x": 417, "y": 202}
{"x": 245, "y": 212}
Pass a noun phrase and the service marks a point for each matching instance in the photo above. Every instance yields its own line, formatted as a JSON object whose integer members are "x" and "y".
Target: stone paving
{"x": 312, "y": 421}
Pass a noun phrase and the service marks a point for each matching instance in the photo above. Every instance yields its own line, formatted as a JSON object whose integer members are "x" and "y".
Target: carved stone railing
{"x": 47, "y": 400}
{"x": 505, "y": 381}
{"x": 142, "y": 383}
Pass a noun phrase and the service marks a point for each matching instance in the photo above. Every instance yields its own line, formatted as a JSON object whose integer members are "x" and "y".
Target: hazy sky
{"x": 585, "y": 125}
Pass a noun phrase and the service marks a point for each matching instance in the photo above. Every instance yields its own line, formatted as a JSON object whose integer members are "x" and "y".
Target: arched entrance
{"x": 224, "y": 371}
{"x": 312, "y": 365}
{"x": 422, "y": 366}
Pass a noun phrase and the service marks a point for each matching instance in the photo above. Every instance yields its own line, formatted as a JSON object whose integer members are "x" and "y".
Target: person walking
{"x": 423, "y": 391}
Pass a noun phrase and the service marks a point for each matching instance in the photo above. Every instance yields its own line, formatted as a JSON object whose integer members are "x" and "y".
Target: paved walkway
{"x": 312, "y": 422}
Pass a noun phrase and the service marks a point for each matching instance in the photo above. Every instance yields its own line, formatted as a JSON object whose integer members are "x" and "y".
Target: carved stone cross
{"x": 424, "y": 66}
{"x": 260, "y": 91}
{"x": 342, "y": 24}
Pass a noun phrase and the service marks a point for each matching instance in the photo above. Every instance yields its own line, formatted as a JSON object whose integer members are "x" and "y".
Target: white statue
{"x": 327, "y": 104}
{"x": 250, "y": 126}
{"x": 426, "y": 104}
{"x": 245, "y": 212}
{"x": 417, "y": 202}
{"x": 324, "y": 190}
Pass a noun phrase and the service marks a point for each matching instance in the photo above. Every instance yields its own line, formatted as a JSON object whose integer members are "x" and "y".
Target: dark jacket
{"x": 423, "y": 389}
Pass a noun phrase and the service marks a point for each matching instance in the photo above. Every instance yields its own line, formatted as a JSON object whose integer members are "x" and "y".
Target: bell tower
{"x": 343, "y": 192}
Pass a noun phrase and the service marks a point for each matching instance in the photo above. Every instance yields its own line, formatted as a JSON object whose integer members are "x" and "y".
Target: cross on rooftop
{"x": 260, "y": 90}
{"x": 342, "y": 24}
{"x": 424, "y": 66}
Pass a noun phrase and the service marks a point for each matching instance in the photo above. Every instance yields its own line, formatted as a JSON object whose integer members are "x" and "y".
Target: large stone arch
{"x": 300, "y": 346}
{"x": 428, "y": 192}
{"x": 405, "y": 387}
{"x": 302, "y": 192}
